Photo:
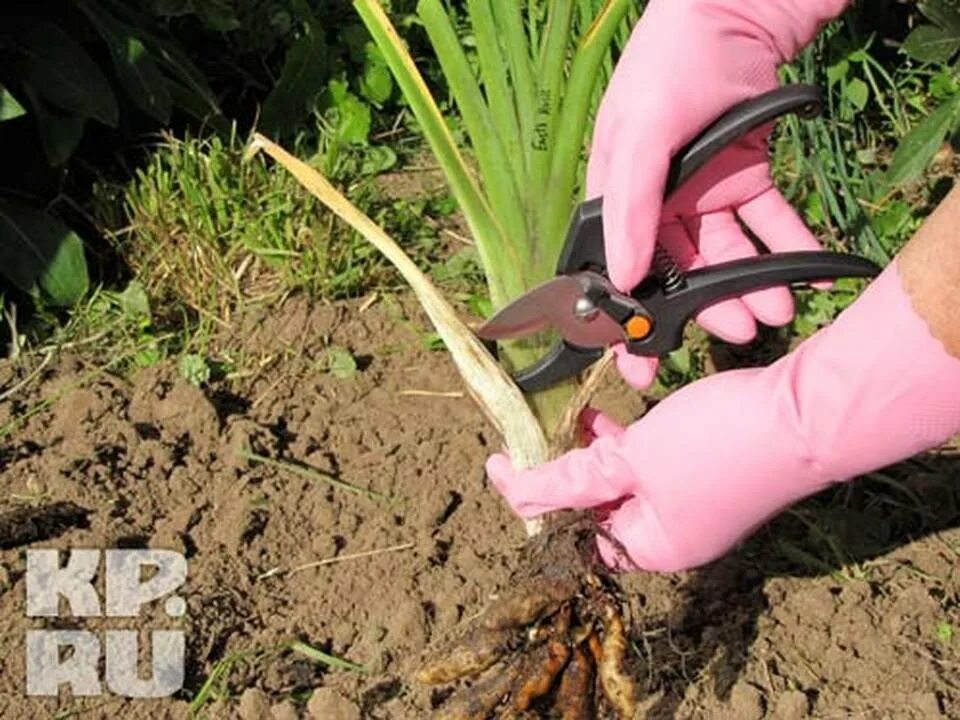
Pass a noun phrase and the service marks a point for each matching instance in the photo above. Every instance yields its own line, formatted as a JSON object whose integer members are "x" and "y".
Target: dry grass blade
{"x": 568, "y": 431}
{"x": 488, "y": 383}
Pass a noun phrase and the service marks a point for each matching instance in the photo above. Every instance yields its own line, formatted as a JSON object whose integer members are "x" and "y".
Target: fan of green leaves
{"x": 524, "y": 77}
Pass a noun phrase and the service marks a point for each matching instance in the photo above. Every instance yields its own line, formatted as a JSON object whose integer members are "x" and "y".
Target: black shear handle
{"x": 584, "y": 248}
{"x": 702, "y": 288}
{"x": 723, "y": 281}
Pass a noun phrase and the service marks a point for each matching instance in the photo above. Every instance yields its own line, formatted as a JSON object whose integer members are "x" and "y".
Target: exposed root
{"x": 480, "y": 699}
{"x": 541, "y": 668}
{"x": 531, "y": 600}
{"x": 618, "y": 687}
{"x": 555, "y": 641}
{"x": 476, "y": 652}
{"x": 575, "y": 694}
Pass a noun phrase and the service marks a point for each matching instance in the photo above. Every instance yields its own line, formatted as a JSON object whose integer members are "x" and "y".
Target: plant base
{"x": 553, "y": 645}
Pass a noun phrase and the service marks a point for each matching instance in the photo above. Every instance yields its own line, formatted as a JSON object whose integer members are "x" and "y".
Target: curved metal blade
{"x": 531, "y": 312}
{"x": 554, "y": 304}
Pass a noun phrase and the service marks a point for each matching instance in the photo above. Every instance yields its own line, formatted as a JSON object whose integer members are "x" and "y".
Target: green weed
{"x": 206, "y": 233}
{"x": 311, "y": 473}
{"x": 216, "y": 686}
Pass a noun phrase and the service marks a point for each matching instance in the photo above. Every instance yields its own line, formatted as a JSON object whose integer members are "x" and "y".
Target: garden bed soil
{"x": 776, "y": 630}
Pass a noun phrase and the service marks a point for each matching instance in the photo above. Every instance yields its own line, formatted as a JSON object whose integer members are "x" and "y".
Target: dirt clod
{"x": 328, "y": 704}
{"x": 254, "y": 705}
{"x": 285, "y": 710}
{"x": 791, "y": 705}
{"x": 746, "y": 702}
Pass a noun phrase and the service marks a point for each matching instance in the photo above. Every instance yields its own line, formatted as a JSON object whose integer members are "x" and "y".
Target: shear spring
{"x": 667, "y": 270}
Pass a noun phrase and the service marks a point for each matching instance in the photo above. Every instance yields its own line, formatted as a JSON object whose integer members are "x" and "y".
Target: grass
{"x": 216, "y": 685}
{"x": 311, "y": 473}
{"x": 207, "y": 234}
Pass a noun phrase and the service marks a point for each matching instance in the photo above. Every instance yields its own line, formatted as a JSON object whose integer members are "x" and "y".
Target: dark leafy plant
{"x": 63, "y": 67}
{"x": 94, "y": 61}
{"x": 935, "y": 42}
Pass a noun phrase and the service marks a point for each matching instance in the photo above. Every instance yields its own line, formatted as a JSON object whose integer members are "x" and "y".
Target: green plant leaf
{"x": 9, "y": 107}
{"x": 943, "y": 85}
{"x": 305, "y": 72}
{"x": 491, "y": 153}
{"x": 60, "y": 135}
{"x": 352, "y": 116}
{"x": 927, "y": 43}
{"x": 186, "y": 83}
{"x": 148, "y": 356}
{"x": 494, "y": 249}
{"x": 376, "y": 82}
{"x": 142, "y": 79}
{"x": 944, "y": 632}
{"x": 172, "y": 8}
{"x": 378, "y": 159}
{"x": 943, "y": 13}
{"x": 217, "y": 15}
{"x": 433, "y": 342}
{"x": 917, "y": 149}
{"x": 194, "y": 369}
{"x": 135, "y": 67}
{"x": 681, "y": 361}
{"x": 837, "y": 71}
{"x": 593, "y": 48}
{"x": 324, "y": 658}
{"x": 63, "y": 74}
{"x": 40, "y": 253}
{"x": 134, "y": 301}
{"x": 341, "y": 363}
{"x": 857, "y": 92}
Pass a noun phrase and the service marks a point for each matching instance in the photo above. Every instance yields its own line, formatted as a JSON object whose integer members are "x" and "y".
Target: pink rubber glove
{"x": 687, "y": 62}
{"x": 718, "y": 458}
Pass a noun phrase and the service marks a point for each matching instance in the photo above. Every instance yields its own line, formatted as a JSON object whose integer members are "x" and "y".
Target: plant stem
{"x": 493, "y": 247}
{"x": 491, "y": 152}
{"x": 594, "y": 46}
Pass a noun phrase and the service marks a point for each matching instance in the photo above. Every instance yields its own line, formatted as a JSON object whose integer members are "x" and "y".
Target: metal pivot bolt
{"x": 585, "y": 310}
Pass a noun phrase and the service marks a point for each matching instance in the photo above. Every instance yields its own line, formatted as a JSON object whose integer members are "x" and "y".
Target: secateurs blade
{"x": 591, "y": 314}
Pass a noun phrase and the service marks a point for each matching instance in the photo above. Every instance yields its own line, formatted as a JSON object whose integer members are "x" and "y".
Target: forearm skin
{"x": 930, "y": 270}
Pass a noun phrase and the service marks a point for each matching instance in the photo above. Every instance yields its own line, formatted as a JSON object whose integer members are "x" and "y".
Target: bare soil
{"x": 848, "y": 608}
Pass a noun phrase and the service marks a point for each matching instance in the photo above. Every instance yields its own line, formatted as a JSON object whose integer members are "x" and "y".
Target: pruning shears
{"x": 590, "y": 314}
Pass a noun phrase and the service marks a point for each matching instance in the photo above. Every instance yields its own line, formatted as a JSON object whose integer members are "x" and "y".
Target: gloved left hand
{"x": 717, "y": 458}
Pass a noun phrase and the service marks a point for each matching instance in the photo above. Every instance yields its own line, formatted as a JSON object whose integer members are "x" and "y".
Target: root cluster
{"x": 553, "y": 646}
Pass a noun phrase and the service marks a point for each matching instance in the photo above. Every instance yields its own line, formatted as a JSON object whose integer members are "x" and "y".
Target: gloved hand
{"x": 687, "y": 62}
{"x": 714, "y": 460}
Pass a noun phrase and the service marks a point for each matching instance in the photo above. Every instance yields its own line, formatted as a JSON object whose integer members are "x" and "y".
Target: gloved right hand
{"x": 686, "y": 63}
{"x": 681, "y": 486}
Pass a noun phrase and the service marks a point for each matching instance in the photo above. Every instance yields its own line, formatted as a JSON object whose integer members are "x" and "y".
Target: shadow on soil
{"x": 837, "y": 534}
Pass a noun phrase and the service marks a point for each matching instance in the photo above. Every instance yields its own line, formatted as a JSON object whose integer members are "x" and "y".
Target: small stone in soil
{"x": 328, "y": 704}
{"x": 253, "y": 705}
{"x": 285, "y": 710}
{"x": 791, "y": 705}
{"x": 746, "y": 702}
